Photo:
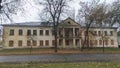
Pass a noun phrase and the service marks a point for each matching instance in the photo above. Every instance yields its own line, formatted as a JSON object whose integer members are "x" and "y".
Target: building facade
{"x": 70, "y": 35}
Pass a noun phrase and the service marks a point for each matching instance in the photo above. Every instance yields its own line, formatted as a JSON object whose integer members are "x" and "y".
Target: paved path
{"x": 63, "y": 58}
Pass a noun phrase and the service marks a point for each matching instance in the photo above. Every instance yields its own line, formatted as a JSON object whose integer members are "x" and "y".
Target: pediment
{"x": 69, "y": 22}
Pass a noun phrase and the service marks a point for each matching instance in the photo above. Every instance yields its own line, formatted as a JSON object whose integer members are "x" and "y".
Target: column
{"x": 73, "y": 32}
{"x": 63, "y": 43}
{"x": 74, "y": 45}
{"x": 63, "y": 32}
{"x": 58, "y": 42}
{"x": 80, "y": 45}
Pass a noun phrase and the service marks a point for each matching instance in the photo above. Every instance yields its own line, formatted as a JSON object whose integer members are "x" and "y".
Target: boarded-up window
{"x": 53, "y": 42}
{"x": 28, "y": 43}
{"x": 41, "y": 42}
{"x": 20, "y": 43}
{"x": 91, "y": 42}
{"x": 34, "y": 43}
{"x": 100, "y": 42}
{"x": 47, "y": 42}
{"x": 67, "y": 42}
{"x": 112, "y": 42}
{"x": 60, "y": 42}
{"x": 86, "y": 42}
{"x": 77, "y": 42}
{"x": 11, "y": 43}
{"x": 106, "y": 42}
{"x": 96, "y": 42}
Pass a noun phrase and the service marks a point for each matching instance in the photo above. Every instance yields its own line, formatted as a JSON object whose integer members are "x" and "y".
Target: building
{"x": 0, "y": 36}
{"x": 70, "y": 35}
{"x": 119, "y": 39}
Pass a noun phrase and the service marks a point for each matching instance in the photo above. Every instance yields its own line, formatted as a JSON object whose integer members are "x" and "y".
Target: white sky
{"x": 31, "y": 14}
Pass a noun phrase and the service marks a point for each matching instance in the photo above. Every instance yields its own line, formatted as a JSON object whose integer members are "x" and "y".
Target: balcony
{"x": 69, "y": 33}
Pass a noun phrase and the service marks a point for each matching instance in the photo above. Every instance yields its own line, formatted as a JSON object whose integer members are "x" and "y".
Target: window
{"x": 41, "y": 42}
{"x": 34, "y": 32}
{"x": 100, "y": 42}
{"x": 34, "y": 43}
{"x": 67, "y": 42}
{"x": 20, "y": 43}
{"x": 111, "y": 33}
{"x": 91, "y": 42}
{"x": 20, "y": 32}
{"x": 105, "y": 32}
{"x": 41, "y": 32}
{"x": 11, "y": 43}
{"x": 28, "y": 32}
{"x": 106, "y": 42}
{"x": 95, "y": 32}
{"x": 68, "y": 22}
{"x": 99, "y": 33}
{"x": 112, "y": 42}
{"x": 85, "y": 32}
{"x": 96, "y": 42}
{"x": 28, "y": 43}
{"x": 47, "y": 32}
{"x": 47, "y": 42}
{"x": 60, "y": 42}
{"x": 11, "y": 32}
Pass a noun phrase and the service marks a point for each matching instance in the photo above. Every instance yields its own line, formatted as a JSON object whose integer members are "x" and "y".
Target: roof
{"x": 34, "y": 24}
{"x": 49, "y": 24}
{"x": 101, "y": 27}
{"x": 30, "y": 24}
{"x": 69, "y": 21}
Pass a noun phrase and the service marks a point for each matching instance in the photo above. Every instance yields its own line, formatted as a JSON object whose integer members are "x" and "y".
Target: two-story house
{"x": 40, "y": 35}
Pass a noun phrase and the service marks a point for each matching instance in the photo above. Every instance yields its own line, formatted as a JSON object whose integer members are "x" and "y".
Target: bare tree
{"x": 55, "y": 8}
{"x": 98, "y": 15}
{"x": 114, "y": 13}
{"x": 0, "y": 4}
{"x": 9, "y": 8}
{"x": 86, "y": 12}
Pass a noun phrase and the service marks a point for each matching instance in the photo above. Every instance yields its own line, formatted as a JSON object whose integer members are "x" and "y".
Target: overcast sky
{"x": 31, "y": 14}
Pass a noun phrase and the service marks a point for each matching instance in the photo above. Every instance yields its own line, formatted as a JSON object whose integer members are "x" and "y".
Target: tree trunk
{"x": 103, "y": 45}
{"x": 55, "y": 36}
{"x": 86, "y": 39}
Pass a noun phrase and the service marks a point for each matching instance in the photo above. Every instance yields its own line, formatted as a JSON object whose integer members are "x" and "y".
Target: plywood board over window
{"x": 20, "y": 43}
{"x": 106, "y": 42}
{"x": 11, "y": 43}
{"x": 34, "y": 43}
{"x": 47, "y": 42}
{"x": 100, "y": 42}
{"x": 28, "y": 43}
{"x": 41, "y": 43}
{"x": 53, "y": 42}
{"x": 112, "y": 42}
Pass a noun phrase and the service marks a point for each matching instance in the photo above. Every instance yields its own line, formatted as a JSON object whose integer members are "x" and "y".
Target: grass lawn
{"x": 62, "y": 65}
{"x": 60, "y": 51}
